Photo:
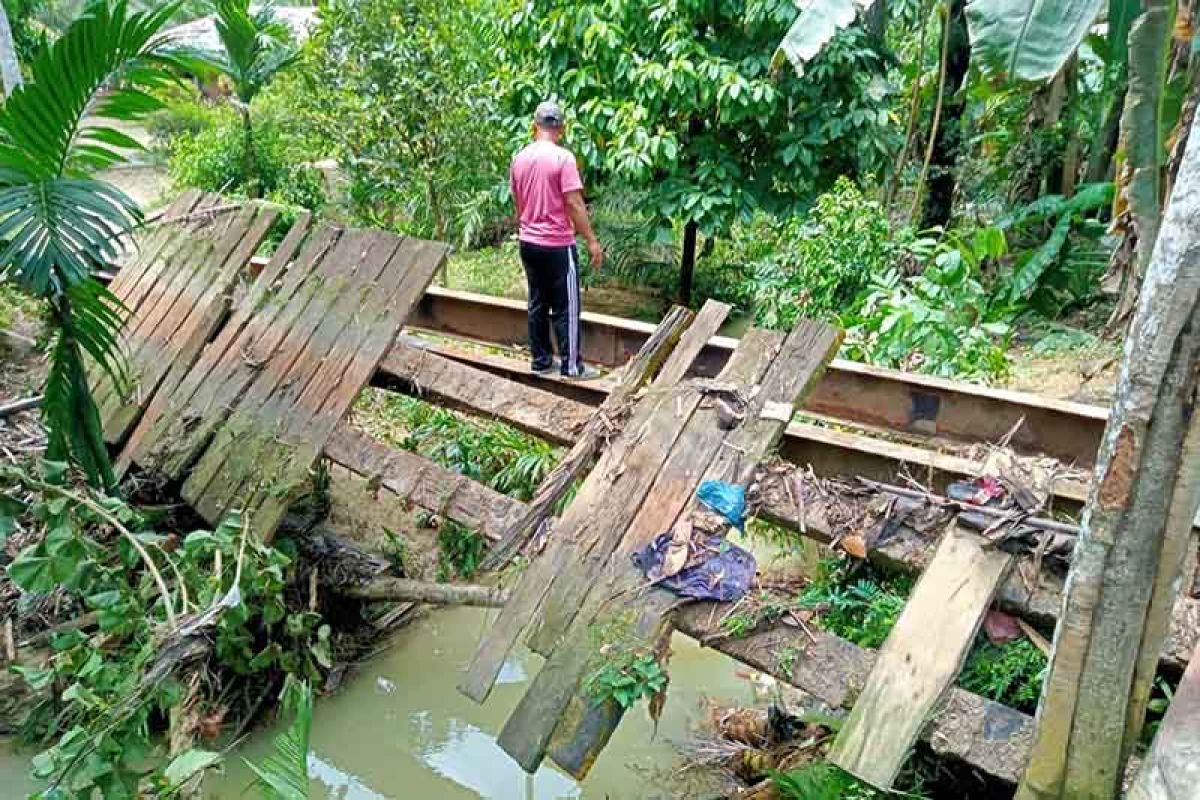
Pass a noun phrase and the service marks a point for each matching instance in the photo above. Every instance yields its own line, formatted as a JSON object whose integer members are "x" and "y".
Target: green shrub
{"x": 213, "y": 159}
{"x": 184, "y": 115}
{"x": 814, "y": 266}
{"x": 859, "y": 609}
{"x": 940, "y": 321}
{"x": 1009, "y": 673}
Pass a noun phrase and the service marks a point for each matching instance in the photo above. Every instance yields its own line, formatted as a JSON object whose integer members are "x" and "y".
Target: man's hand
{"x": 595, "y": 253}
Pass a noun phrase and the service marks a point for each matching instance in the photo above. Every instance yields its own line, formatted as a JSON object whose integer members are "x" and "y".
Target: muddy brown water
{"x": 399, "y": 729}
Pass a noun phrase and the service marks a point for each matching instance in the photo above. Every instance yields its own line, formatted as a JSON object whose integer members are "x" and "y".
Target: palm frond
{"x": 257, "y": 45}
{"x": 284, "y": 774}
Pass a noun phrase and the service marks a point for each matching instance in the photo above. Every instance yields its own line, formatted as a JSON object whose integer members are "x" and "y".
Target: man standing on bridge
{"x": 548, "y": 193}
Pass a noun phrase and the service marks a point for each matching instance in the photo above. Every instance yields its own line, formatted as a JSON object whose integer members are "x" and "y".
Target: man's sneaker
{"x": 586, "y": 374}
{"x": 549, "y": 369}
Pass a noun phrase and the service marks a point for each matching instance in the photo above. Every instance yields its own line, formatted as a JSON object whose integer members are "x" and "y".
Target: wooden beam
{"x": 679, "y": 326}
{"x": 415, "y": 369}
{"x": 423, "y": 482}
{"x": 852, "y": 391}
{"x": 921, "y": 658}
{"x": 829, "y": 450}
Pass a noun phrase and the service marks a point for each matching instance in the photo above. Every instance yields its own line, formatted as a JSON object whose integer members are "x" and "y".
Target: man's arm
{"x": 578, "y": 212}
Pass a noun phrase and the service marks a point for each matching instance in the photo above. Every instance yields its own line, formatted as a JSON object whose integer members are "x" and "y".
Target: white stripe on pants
{"x": 573, "y": 323}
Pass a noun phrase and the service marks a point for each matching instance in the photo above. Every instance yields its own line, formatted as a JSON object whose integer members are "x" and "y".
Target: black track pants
{"x": 553, "y": 276}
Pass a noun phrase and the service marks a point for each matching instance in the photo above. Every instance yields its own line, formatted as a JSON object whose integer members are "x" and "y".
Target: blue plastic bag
{"x": 726, "y": 499}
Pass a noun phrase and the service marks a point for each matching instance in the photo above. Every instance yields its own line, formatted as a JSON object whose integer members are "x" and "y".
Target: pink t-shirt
{"x": 540, "y": 177}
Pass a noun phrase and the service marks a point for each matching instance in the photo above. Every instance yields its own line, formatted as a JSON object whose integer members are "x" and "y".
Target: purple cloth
{"x": 725, "y": 574}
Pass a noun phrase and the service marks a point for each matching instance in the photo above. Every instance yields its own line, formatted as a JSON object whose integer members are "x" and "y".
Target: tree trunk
{"x": 687, "y": 262}
{"x": 10, "y": 68}
{"x": 442, "y": 594}
{"x": 439, "y": 223}
{"x": 249, "y": 157}
{"x": 943, "y": 160}
{"x": 1136, "y": 528}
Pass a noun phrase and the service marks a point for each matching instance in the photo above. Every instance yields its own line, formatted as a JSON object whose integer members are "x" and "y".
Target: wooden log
{"x": 608, "y": 420}
{"x": 411, "y": 366}
{"x": 440, "y": 594}
{"x": 424, "y": 483}
{"x": 1171, "y": 770}
{"x": 1126, "y": 567}
{"x": 921, "y": 658}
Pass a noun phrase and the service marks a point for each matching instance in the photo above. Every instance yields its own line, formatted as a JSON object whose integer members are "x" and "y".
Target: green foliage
{"x": 107, "y": 689}
{"x": 490, "y": 270}
{"x": 58, "y": 224}
{"x": 821, "y": 780}
{"x": 814, "y": 266}
{"x": 940, "y": 321}
{"x": 489, "y": 452}
{"x": 861, "y": 610}
{"x": 1028, "y": 40}
{"x": 214, "y": 159}
{"x": 405, "y": 93}
{"x": 756, "y": 610}
{"x": 679, "y": 101}
{"x": 257, "y": 45}
{"x": 623, "y": 668}
{"x": 1009, "y": 673}
{"x": 284, "y": 775}
{"x": 1161, "y": 695}
{"x": 460, "y": 550}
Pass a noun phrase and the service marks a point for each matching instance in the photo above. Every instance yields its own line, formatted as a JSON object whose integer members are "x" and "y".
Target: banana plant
{"x": 58, "y": 223}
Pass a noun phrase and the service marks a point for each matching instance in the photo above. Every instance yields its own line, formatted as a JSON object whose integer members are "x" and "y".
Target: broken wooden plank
{"x": 586, "y": 725}
{"x": 605, "y": 503}
{"x": 420, "y": 372}
{"x": 921, "y": 658}
{"x": 981, "y": 733}
{"x": 291, "y": 420}
{"x": 423, "y": 483}
{"x": 1171, "y": 770}
{"x": 439, "y": 594}
{"x": 677, "y": 327}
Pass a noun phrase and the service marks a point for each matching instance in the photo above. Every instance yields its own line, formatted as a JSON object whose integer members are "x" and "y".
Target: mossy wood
{"x": 177, "y": 289}
{"x": 246, "y": 423}
{"x": 778, "y": 379}
{"x": 921, "y": 658}
{"x": 605, "y": 503}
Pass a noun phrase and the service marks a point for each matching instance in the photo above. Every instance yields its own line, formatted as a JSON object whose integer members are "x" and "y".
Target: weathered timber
{"x": 1171, "y": 770}
{"x": 441, "y": 594}
{"x": 586, "y": 726}
{"x": 583, "y": 586}
{"x": 921, "y": 657}
{"x": 247, "y": 422}
{"x": 1035, "y": 597}
{"x": 987, "y": 735}
{"x": 417, "y": 370}
{"x": 830, "y": 451}
{"x": 1127, "y": 563}
{"x": 981, "y": 733}
{"x": 299, "y": 416}
{"x": 180, "y": 289}
{"x": 607, "y": 500}
{"x": 677, "y": 327}
{"x": 851, "y": 391}
{"x": 423, "y": 483}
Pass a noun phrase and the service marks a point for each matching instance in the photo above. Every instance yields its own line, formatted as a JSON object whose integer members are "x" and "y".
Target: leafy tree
{"x": 58, "y": 224}
{"x": 257, "y": 47}
{"x": 406, "y": 92}
{"x": 679, "y": 99}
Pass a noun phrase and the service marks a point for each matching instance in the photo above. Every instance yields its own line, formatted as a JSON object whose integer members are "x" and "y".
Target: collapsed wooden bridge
{"x": 242, "y": 382}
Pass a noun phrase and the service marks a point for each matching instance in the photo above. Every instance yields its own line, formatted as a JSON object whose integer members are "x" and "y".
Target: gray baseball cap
{"x": 548, "y": 115}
